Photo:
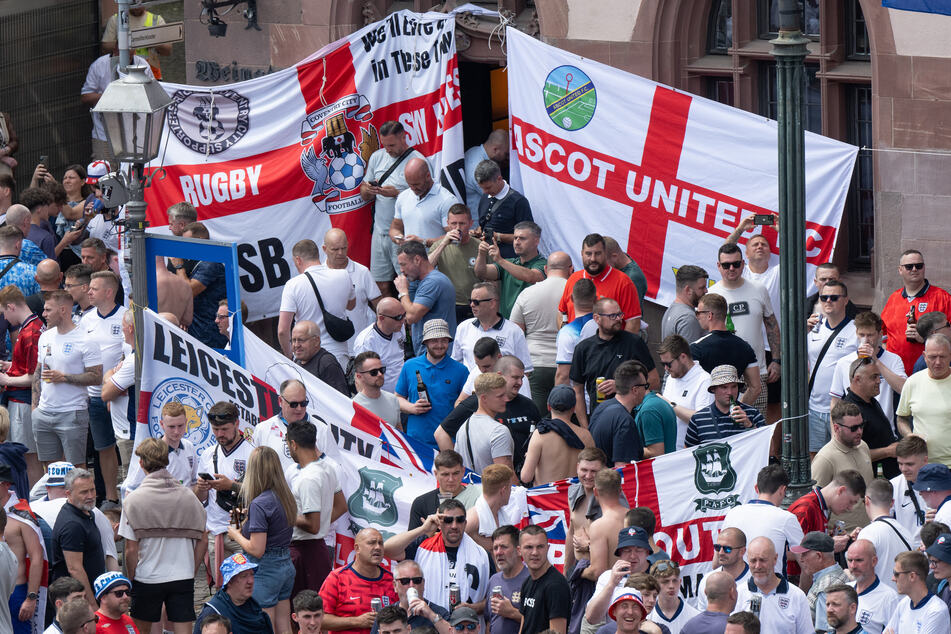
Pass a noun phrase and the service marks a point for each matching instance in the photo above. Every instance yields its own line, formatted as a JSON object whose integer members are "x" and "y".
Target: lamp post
{"x": 133, "y": 111}
{"x": 789, "y": 49}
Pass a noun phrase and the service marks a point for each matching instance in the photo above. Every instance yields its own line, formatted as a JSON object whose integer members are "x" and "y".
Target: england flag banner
{"x": 689, "y": 491}
{"x": 381, "y": 471}
{"x": 279, "y": 158}
{"x": 668, "y": 174}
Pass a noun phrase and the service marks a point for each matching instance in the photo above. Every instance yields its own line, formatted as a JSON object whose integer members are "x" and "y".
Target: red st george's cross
{"x": 669, "y": 200}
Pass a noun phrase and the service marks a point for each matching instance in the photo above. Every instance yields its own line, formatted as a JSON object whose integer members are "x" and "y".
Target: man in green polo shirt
{"x": 455, "y": 254}
{"x": 657, "y": 425}
{"x": 526, "y": 268}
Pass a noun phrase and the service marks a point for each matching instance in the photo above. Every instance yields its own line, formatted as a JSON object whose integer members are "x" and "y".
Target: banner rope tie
{"x": 211, "y": 108}
{"x": 323, "y": 82}
{"x": 500, "y": 30}
{"x": 866, "y": 148}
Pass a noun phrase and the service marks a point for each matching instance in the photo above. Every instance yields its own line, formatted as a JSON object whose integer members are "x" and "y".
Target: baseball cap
{"x": 632, "y": 536}
{"x": 814, "y": 540}
{"x": 463, "y": 615}
{"x": 941, "y": 548}
{"x": 6, "y": 473}
{"x": 105, "y": 581}
{"x": 623, "y": 594}
{"x": 233, "y": 565}
{"x": 436, "y": 329}
{"x": 933, "y": 477}
{"x": 56, "y": 473}
{"x": 95, "y": 171}
{"x": 561, "y": 398}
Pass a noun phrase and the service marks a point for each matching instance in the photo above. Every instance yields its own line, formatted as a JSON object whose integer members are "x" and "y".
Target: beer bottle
{"x": 421, "y": 389}
{"x": 729, "y": 323}
{"x": 912, "y": 320}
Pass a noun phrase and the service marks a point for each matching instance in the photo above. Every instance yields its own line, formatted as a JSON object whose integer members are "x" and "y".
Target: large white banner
{"x": 279, "y": 158}
{"x": 689, "y": 491}
{"x": 666, "y": 173}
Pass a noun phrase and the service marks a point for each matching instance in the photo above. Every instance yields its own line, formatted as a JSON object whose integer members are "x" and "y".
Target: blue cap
{"x": 632, "y": 536}
{"x": 233, "y": 565}
{"x": 105, "y": 581}
{"x": 561, "y": 398}
{"x": 933, "y": 477}
{"x": 941, "y": 548}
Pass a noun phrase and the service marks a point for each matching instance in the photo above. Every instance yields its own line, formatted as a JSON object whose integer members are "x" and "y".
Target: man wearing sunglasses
{"x": 832, "y": 339}
{"x": 369, "y": 373}
{"x": 419, "y": 611}
{"x": 272, "y": 432}
{"x": 385, "y": 337}
{"x": 846, "y": 451}
{"x": 308, "y": 353}
{"x": 488, "y": 322}
{"x": 114, "y": 594}
{"x": 729, "y": 550}
{"x": 916, "y": 294}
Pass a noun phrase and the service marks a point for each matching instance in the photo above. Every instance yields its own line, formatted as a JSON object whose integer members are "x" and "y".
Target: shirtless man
{"x": 580, "y": 498}
{"x": 603, "y": 531}
{"x": 25, "y": 544}
{"x": 174, "y": 293}
{"x": 558, "y": 439}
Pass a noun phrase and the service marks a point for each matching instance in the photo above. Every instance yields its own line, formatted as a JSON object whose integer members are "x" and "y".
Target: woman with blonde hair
{"x": 266, "y": 535}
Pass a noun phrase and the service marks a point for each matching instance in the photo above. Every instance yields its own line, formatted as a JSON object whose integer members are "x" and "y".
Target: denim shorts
{"x": 819, "y": 432}
{"x": 100, "y": 424}
{"x": 274, "y": 576}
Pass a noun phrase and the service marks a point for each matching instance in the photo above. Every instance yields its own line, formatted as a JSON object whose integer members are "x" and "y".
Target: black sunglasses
{"x": 461, "y": 627}
{"x": 829, "y": 298}
{"x": 852, "y": 428}
{"x": 914, "y": 265}
{"x": 408, "y": 580}
{"x": 476, "y": 302}
{"x": 122, "y": 593}
{"x": 295, "y": 404}
{"x": 396, "y": 317}
{"x": 449, "y": 519}
{"x": 726, "y": 549}
{"x": 220, "y": 419}
{"x": 731, "y": 265}
{"x": 373, "y": 371}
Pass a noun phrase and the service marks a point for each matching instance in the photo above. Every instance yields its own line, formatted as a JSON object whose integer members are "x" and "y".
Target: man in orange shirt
{"x": 918, "y": 295}
{"x": 608, "y": 281}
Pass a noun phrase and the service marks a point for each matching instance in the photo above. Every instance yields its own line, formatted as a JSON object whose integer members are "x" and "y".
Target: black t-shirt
{"x": 720, "y": 347}
{"x": 76, "y": 531}
{"x": 423, "y": 506}
{"x": 544, "y": 599}
{"x": 615, "y": 432}
{"x": 596, "y": 357}
{"x": 520, "y": 417}
{"x": 878, "y": 431}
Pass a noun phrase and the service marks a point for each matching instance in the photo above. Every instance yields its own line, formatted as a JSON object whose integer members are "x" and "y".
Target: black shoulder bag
{"x": 339, "y": 329}
{"x": 825, "y": 348}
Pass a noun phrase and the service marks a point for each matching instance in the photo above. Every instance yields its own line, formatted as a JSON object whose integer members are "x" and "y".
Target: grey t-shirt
{"x": 681, "y": 319}
{"x": 487, "y": 439}
{"x": 387, "y": 407}
{"x": 511, "y": 590}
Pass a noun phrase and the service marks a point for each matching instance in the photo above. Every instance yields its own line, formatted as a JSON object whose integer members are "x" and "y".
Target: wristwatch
{"x": 33, "y": 595}
{"x": 436, "y": 618}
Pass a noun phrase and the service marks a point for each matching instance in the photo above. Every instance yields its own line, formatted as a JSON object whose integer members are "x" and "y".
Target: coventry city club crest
{"x": 374, "y": 500}
{"x": 333, "y": 158}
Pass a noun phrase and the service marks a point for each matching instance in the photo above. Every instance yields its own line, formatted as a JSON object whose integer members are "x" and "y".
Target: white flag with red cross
{"x": 279, "y": 158}
{"x": 668, "y": 174}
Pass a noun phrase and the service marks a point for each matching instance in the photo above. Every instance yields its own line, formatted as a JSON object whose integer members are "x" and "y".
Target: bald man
{"x": 48, "y": 277}
{"x": 784, "y": 607}
{"x": 625, "y": 264}
{"x": 422, "y": 211}
{"x": 348, "y": 590}
{"x": 720, "y": 598}
{"x": 536, "y": 312}
{"x": 385, "y": 337}
{"x": 174, "y": 294}
{"x": 336, "y": 247}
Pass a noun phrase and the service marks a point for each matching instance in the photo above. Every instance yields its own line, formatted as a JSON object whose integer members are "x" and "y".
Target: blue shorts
{"x": 15, "y": 601}
{"x": 819, "y": 432}
{"x": 100, "y": 424}
{"x": 274, "y": 577}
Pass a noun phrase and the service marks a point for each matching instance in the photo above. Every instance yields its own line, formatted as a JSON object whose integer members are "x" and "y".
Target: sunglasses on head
{"x": 373, "y": 371}
{"x": 664, "y": 565}
{"x": 449, "y": 519}
{"x": 461, "y": 627}
{"x": 220, "y": 419}
{"x": 296, "y": 404}
{"x": 829, "y": 298}
{"x": 408, "y": 580}
{"x": 914, "y": 265}
{"x": 726, "y": 549}
{"x": 731, "y": 265}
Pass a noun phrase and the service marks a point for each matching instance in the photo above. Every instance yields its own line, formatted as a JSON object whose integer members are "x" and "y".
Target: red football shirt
{"x": 611, "y": 283}
{"x": 894, "y": 319}
{"x": 346, "y": 593}
{"x": 813, "y": 515}
{"x": 122, "y": 625}
{"x": 23, "y": 360}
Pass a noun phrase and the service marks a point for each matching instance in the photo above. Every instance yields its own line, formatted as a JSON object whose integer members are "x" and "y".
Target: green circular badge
{"x": 570, "y": 98}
